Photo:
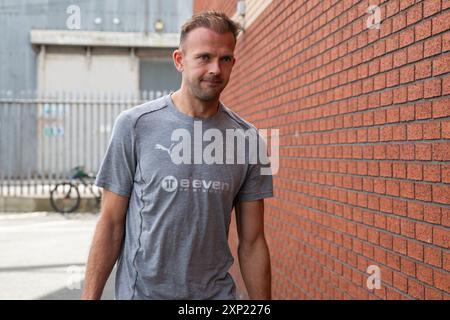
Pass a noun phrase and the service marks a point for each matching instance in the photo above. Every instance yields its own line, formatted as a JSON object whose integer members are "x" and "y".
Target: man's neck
{"x": 193, "y": 107}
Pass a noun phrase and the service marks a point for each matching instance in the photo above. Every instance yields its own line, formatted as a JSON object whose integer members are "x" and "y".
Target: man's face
{"x": 206, "y": 60}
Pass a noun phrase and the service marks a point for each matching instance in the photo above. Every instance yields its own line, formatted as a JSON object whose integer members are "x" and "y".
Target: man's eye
{"x": 204, "y": 58}
{"x": 227, "y": 59}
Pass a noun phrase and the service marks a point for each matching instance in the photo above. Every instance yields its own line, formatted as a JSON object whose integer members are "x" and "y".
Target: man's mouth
{"x": 213, "y": 82}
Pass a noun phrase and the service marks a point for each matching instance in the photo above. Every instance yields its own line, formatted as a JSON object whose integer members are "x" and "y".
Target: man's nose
{"x": 214, "y": 67}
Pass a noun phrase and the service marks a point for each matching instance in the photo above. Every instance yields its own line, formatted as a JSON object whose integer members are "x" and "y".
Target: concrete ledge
{"x": 104, "y": 39}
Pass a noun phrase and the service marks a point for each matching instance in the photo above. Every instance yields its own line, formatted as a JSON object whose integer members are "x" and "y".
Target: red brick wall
{"x": 364, "y": 119}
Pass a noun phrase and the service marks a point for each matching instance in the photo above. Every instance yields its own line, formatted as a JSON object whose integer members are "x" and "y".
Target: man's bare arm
{"x": 254, "y": 257}
{"x": 106, "y": 244}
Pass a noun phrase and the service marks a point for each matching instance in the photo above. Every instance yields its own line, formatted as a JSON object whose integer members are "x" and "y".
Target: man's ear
{"x": 178, "y": 59}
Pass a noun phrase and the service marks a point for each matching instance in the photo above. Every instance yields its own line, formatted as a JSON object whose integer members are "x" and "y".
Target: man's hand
{"x": 254, "y": 257}
{"x": 106, "y": 244}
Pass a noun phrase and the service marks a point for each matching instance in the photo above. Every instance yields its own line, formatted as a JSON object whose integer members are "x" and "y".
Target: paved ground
{"x": 43, "y": 255}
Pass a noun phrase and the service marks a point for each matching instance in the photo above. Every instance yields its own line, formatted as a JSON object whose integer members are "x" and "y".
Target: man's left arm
{"x": 253, "y": 252}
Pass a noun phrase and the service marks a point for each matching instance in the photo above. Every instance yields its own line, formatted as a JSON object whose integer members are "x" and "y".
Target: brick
{"x": 386, "y": 62}
{"x": 400, "y": 58}
{"x": 407, "y": 190}
{"x": 432, "y": 130}
{"x": 400, "y": 281}
{"x": 424, "y": 274}
{"x": 393, "y": 42}
{"x": 415, "y": 52}
{"x": 399, "y": 170}
{"x": 423, "y": 110}
{"x": 432, "y": 88}
{"x": 415, "y": 210}
{"x": 386, "y": 169}
{"x": 399, "y": 22}
{"x": 393, "y": 115}
{"x": 445, "y": 217}
{"x": 423, "y": 30}
{"x": 392, "y": 150}
{"x": 392, "y": 188}
{"x": 424, "y": 232}
{"x": 423, "y": 151}
{"x": 432, "y": 214}
{"x": 400, "y": 95}
{"x": 386, "y": 240}
{"x": 446, "y": 42}
{"x": 385, "y": 206}
{"x": 416, "y": 290}
{"x": 441, "y": 151}
{"x": 399, "y": 132}
{"x": 393, "y": 261}
{"x": 446, "y": 260}
{"x": 407, "y": 112}
{"x": 407, "y": 152}
{"x": 441, "y": 23}
{"x": 386, "y": 134}
{"x": 431, "y": 7}
{"x": 442, "y": 280}
{"x": 415, "y": 91}
{"x": 441, "y": 65}
{"x": 432, "y": 172}
{"x": 414, "y": 171}
{"x": 379, "y": 186}
{"x": 393, "y": 224}
{"x": 441, "y": 237}
{"x": 407, "y": 228}
{"x": 432, "y": 294}
{"x": 414, "y": 14}
{"x": 432, "y": 47}
{"x": 423, "y": 69}
{"x": 408, "y": 266}
{"x": 415, "y": 250}
{"x": 445, "y": 173}
{"x": 441, "y": 108}
{"x": 445, "y": 129}
{"x": 393, "y": 78}
{"x": 399, "y": 245}
{"x": 423, "y": 191}
{"x": 406, "y": 75}
{"x": 433, "y": 256}
{"x": 446, "y": 86}
{"x": 414, "y": 131}
{"x": 405, "y": 4}
{"x": 407, "y": 36}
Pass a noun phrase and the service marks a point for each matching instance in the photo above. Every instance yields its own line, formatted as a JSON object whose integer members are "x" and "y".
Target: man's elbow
{"x": 249, "y": 246}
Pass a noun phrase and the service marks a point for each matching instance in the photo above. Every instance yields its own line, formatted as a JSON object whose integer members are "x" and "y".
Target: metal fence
{"x": 44, "y": 135}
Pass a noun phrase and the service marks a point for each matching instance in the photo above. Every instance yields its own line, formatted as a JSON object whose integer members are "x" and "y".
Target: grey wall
{"x": 158, "y": 75}
{"x": 18, "y": 17}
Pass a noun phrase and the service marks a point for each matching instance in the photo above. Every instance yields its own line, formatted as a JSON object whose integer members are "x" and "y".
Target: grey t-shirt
{"x": 176, "y": 234}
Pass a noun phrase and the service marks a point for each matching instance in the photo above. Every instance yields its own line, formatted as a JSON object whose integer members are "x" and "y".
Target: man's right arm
{"x": 106, "y": 244}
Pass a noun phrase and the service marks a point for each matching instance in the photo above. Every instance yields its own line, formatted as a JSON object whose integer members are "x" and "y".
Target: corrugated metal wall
{"x": 18, "y": 17}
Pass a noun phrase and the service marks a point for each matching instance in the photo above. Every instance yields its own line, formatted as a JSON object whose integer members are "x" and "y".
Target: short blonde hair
{"x": 213, "y": 20}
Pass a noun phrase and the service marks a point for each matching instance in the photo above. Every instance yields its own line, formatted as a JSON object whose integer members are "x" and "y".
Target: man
{"x": 166, "y": 220}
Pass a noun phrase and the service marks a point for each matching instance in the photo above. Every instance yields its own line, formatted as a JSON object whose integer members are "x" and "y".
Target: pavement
{"x": 43, "y": 255}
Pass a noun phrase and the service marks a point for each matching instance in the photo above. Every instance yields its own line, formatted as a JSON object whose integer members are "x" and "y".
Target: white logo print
{"x": 236, "y": 143}
{"x": 170, "y": 183}
{"x": 168, "y": 150}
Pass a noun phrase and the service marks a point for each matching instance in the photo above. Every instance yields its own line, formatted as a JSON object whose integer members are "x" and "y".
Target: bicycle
{"x": 65, "y": 196}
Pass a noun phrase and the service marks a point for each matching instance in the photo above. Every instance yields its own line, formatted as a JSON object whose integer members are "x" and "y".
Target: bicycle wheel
{"x": 65, "y": 197}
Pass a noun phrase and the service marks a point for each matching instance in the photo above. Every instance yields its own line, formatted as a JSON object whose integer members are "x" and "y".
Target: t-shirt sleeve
{"x": 258, "y": 183}
{"x": 118, "y": 167}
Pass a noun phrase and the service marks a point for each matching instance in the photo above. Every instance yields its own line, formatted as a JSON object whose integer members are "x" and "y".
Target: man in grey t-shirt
{"x": 172, "y": 174}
